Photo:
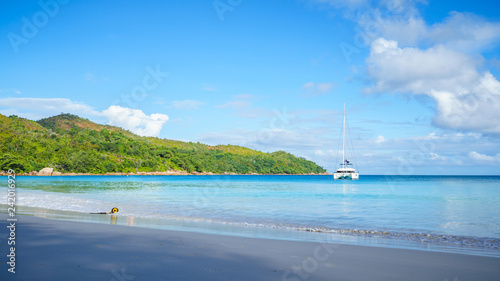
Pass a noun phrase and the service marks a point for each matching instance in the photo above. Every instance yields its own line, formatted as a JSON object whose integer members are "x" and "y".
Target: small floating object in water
{"x": 113, "y": 211}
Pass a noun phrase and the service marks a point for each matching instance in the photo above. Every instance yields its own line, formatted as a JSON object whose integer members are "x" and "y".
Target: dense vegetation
{"x": 69, "y": 143}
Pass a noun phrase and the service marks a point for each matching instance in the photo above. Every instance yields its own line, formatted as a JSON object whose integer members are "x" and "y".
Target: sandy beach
{"x": 64, "y": 250}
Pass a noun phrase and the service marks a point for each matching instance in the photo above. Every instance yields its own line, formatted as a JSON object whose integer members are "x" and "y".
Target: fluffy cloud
{"x": 439, "y": 60}
{"x": 465, "y": 32}
{"x": 483, "y": 157}
{"x": 131, "y": 119}
{"x": 135, "y": 120}
{"x": 380, "y": 139}
{"x": 465, "y": 99}
{"x": 460, "y": 31}
{"x": 446, "y": 69}
{"x": 434, "y": 156}
{"x": 37, "y": 108}
{"x": 396, "y": 69}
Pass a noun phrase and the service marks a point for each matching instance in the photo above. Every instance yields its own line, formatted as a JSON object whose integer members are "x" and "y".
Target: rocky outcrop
{"x": 56, "y": 173}
{"x": 46, "y": 172}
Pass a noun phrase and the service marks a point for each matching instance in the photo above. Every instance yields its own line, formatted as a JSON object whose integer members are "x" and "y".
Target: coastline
{"x": 53, "y": 249}
{"x": 167, "y": 173}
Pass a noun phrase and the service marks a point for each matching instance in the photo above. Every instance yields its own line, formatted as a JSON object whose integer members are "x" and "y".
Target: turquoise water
{"x": 436, "y": 212}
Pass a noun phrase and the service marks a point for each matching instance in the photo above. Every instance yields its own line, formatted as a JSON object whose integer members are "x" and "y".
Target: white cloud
{"x": 135, "y": 120}
{"x": 414, "y": 70}
{"x": 407, "y": 28}
{"x": 483, "y": 157}
{"x": 380, "y": 139}
{"x": 186, "y": 104}
{"x": 447, "y": 69}
{"x": 131, "y": 119}
{"x": 315, "y": 89}
{"x": 40, "y": 107}
{"x": 465, "y": 32}
{"x": 465, "y": 99}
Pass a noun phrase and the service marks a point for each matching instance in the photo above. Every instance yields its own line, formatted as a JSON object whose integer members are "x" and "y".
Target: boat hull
{"x": 345, "y": 176}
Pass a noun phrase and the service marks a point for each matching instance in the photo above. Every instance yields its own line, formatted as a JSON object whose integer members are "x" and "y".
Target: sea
{"x": 458, "y": 214}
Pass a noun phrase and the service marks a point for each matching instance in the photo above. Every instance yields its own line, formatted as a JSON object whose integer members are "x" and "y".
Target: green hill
{"x": 69, "y": 143}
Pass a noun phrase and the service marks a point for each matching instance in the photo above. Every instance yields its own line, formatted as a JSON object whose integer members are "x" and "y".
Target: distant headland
{"x": 70, "y": 145}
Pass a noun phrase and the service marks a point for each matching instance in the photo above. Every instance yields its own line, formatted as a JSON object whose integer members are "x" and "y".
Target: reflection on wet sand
{"x": 130, "y": 221}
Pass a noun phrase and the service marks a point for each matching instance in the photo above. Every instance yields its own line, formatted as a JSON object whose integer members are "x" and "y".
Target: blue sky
{"x": 420, "y": 79}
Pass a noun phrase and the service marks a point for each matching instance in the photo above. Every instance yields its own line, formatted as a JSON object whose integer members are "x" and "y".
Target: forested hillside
{"x": 69, "y": 143}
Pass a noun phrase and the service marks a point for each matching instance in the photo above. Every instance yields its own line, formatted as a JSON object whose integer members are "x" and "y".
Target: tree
{"x": 9, "y": 161}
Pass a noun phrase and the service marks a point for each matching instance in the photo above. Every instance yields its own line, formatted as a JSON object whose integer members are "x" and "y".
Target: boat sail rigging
{"x": 346, "y": 170}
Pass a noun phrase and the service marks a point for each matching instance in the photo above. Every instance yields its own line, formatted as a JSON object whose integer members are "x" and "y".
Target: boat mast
{"x": 343, "y": 142}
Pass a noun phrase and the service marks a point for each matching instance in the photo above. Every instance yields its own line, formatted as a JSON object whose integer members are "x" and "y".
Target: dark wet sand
{"x": 63, "y": 250}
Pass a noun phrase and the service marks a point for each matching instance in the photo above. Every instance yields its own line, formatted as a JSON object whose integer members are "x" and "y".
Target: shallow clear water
{"x": 423, "y": 211}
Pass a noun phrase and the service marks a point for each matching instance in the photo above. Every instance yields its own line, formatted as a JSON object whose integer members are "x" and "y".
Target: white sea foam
{"x": 55, "y": 201}
{"x": 71, "y": 203}
{"x": 413, "y": 212}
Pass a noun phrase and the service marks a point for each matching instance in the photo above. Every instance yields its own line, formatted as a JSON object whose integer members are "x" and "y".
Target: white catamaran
{"x": 345, "y": 172}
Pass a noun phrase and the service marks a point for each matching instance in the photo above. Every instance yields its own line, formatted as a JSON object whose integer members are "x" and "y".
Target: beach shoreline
{"x": 167, "y": 173}
{"x": 55, "y": 250}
